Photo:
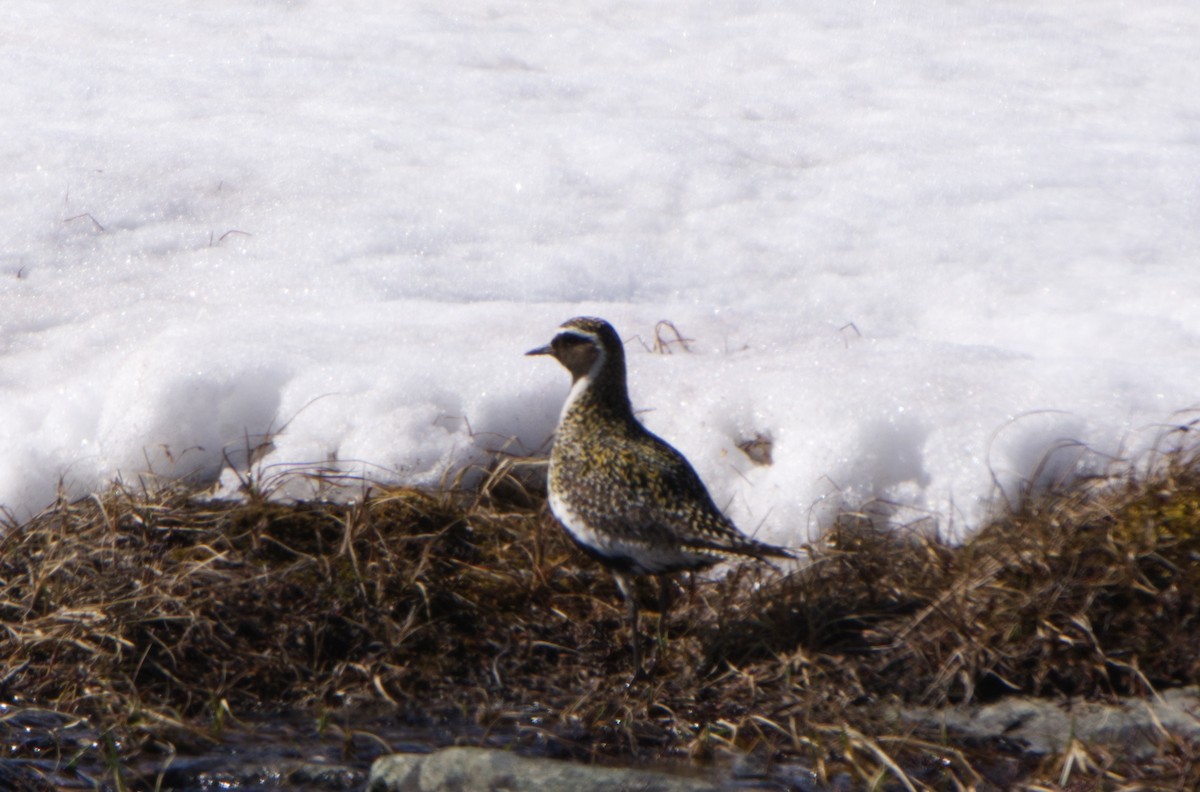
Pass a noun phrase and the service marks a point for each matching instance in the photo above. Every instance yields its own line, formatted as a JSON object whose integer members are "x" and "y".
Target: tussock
{"x": 157, "y": 614}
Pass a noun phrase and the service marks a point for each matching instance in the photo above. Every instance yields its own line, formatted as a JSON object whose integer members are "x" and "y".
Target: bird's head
{"x": 584, "y": 345}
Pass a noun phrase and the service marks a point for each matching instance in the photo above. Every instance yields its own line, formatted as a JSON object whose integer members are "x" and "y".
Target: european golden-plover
{"x": 623, "y": 494}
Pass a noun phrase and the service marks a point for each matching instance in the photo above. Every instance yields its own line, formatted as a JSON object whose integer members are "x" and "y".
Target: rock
{"x": 221, "y": 771}
{"x": 484, "y": 770}
{"x": 1134, "y": 726}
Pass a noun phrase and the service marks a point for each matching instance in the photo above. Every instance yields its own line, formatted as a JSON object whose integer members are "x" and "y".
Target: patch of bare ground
{"x": 157, "y": 615}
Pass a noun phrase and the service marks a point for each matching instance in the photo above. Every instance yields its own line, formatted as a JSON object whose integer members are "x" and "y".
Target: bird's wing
{"x": 665, "y": 503}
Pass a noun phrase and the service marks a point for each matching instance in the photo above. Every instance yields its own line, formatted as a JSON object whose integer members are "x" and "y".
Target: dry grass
{"x": 156, "y": 614}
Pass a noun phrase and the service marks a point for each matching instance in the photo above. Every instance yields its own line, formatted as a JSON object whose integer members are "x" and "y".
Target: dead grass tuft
{"x": 157, "y": 615}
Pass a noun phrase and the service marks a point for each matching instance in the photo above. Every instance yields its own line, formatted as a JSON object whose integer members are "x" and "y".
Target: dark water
{"x": 45, "y": 750}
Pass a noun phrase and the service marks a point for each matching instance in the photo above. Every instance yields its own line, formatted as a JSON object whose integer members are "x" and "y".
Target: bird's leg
{"x": 629, "y": 592}
{"x": 665, "y": 593}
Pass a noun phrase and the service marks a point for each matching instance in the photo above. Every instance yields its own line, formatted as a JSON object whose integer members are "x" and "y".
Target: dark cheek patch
{"x": 578, "y": 358}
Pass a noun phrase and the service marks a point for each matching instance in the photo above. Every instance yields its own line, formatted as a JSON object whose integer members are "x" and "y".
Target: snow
{"x": 922, "y": 247}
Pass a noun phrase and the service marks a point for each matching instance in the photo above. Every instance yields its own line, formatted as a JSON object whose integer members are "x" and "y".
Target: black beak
{"x": 542, "y": 350}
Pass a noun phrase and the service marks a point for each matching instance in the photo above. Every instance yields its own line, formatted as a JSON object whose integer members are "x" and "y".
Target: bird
{"x": 625, "y": 496}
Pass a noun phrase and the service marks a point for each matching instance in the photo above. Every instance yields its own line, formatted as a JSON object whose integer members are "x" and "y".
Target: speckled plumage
{"x": 623, "y": 494}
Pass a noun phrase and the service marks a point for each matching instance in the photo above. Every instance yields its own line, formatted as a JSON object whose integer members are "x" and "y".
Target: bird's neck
{"x": 601, "y": 392}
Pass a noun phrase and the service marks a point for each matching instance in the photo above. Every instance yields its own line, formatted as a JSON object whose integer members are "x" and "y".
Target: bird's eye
{"x": 571, "y": 339}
